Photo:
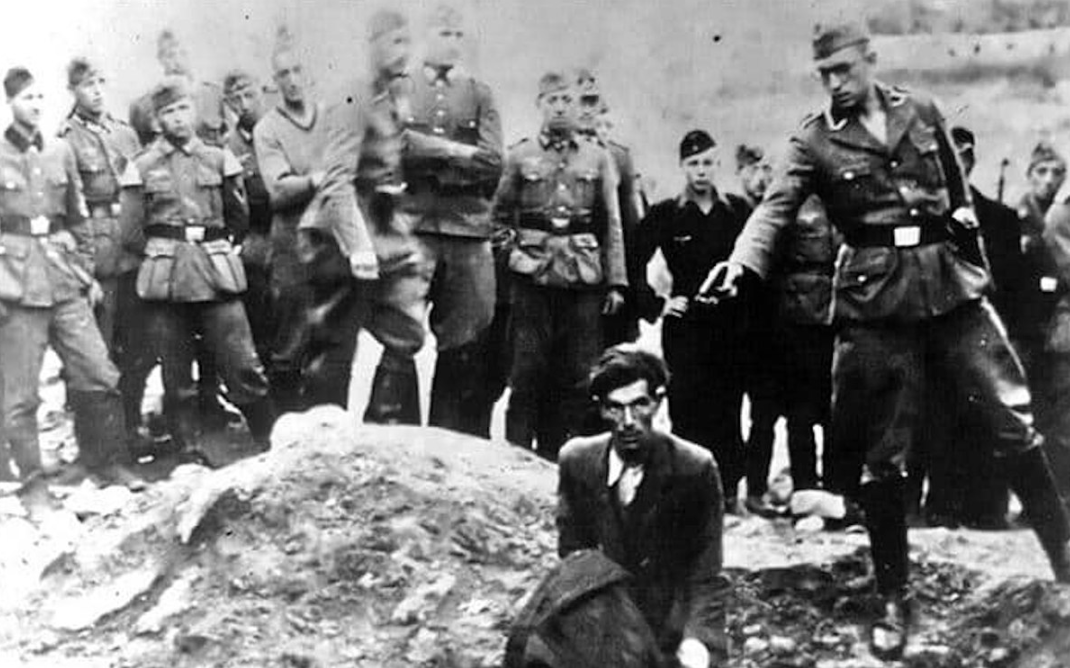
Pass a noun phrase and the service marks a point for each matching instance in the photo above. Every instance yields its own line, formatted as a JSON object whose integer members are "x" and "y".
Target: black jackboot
{"x": 395, "y": 397}
{"x": 99, "y": 428}
{"x": 883, "y": 501}
{"x": 1030, "y": 477}
{"x": 457, "y": 391}
{"x": 260, "y": 417}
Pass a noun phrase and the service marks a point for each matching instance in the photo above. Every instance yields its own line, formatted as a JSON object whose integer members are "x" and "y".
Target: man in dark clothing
{"x": 764, "y": 372}
{"x": 909, "y": 299}
{"x": 966, "y": 483}
{"x": 704, "y": 345}
{"x": 245, "y": 98}
{"x": 652, "y": 503}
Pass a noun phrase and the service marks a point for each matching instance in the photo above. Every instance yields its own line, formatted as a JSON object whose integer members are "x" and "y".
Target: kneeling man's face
{"x": 630, "y": 409}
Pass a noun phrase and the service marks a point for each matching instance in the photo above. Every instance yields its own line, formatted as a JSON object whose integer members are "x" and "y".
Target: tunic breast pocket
{"x": 209, "y": 186}
{"x": 467, "y": 131}
{"x": 929, "y": 171}
{"x": 853, "y": 186}
{"x": 534, "y": 189}
{"x": 585, "y": 190}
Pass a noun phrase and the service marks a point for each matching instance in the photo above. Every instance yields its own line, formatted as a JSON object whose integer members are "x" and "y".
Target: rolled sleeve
{"x": 337, "y": 195}
{"x": 613, "y": 256}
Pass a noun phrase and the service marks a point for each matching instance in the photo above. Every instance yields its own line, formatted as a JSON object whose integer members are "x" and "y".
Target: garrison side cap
{"x": 830, "y": 38}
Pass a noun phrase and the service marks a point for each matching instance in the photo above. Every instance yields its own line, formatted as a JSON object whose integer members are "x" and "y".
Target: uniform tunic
{"x": 904, "y": 294}
{"x": 561, "y": 262}
{"x": 46, "y": 264}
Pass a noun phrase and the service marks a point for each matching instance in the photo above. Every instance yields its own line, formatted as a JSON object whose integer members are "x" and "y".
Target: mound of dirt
{"x": 348, "y": 545}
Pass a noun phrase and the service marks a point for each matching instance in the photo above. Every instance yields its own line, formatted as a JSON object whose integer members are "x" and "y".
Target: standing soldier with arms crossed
{"x": 46, "y": 291}
{"x": 567, "y": 272}
{"x": 452, "y": 162}
{"x": 182, "y": 202}
{"x": 908, "y": 293}
{"x": 289, "y": 142}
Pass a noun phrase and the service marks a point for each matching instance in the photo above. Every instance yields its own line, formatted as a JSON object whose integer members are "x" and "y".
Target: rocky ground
{"x": 348, "y": 545}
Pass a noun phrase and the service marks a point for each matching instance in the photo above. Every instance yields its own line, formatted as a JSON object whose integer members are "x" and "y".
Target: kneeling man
{"x": 652, "y": 503}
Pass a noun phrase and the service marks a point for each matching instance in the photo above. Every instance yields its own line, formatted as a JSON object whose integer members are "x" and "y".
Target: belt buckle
{"x": 1048, "y": 283}
{"x": 559, "y": 223}
{"x": 904, "y": 237}
{"x": 40, "y": 226}
{"x": 194, "y": 233}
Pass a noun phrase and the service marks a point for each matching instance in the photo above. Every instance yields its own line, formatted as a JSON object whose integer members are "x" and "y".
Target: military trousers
{"x": 879, "y": 373}
{"x": 556, "y": 334}
{"x": 25, "y": 333}
{"x": 707, "y": 364}
{"x": 1049, "y": 378}
{"x": 224, "y": 328}
{"x": 391, "y": 308}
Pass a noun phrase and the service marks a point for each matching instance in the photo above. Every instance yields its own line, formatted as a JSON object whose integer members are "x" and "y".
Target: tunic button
{"x": 914, "y": 212}
{"x": 904, "y": 189}
{"x": 895, "y": 164}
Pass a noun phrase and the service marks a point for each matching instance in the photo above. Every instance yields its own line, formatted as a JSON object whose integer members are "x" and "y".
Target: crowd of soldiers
{"x": 241, "y": 236}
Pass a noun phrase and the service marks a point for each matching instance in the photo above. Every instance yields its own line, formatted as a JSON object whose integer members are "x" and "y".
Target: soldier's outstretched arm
{"x": 756, "y": 246}
{"x": 346, "y": 127}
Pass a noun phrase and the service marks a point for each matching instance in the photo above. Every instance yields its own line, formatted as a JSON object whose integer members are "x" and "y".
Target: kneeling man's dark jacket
{"x": 669, "y": 537}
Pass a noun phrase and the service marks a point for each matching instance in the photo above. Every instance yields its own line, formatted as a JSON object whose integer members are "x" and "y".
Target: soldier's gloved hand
{"x": 693, "y": 654}
{"x": 613, "y": 302}
{"x": 676, "y": 307}
{"x": 95, "y": 294}
{"x": 721, "y": 283}
{"x": 315, "y": 179}
{"x": 364, "y": 265}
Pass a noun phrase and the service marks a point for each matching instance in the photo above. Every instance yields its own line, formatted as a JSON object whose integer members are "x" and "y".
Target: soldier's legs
{"x": 462, "y": 296}
{"x": 170, "y": 329}
{"x": 337, "y": 308}
{"x": 576, "y": 345}
{"x": 92, "y": 389}
{"x": 807, "y": 385}
{"x": 531, "y": 324}
{"x": 398, "y": 305}
{"x": 1053, "y": 392}
{"x": 133, "y": 351}
{"x": 23, "y": 340}
{"x": 706, "y": 394}
{"x": 227, "y": 333}
{"x": 107, "y": 310}
{"x": 979, "y": 358}
{"x": 763, "y": 387}
{"x": 877, "y": 381}
{"x": 289, "y": 341}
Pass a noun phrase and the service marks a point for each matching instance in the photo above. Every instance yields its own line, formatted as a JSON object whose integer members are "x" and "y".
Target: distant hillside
{"x": 896, "y": 17}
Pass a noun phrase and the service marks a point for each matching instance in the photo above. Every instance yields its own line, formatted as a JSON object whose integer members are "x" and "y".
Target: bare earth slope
{"x": 362, "y": 546}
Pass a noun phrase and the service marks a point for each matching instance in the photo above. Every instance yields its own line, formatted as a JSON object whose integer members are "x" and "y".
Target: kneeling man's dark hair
{"x": 623, "y": 365}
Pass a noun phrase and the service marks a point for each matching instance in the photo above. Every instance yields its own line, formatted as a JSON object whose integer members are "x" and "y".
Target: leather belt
{"x": 38, "y": 226}
{"x": 104, "y": 210}
{"x": 555, "y": 225}
{"x": 190, "y": 233}
{"x": 932, "y": 231}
